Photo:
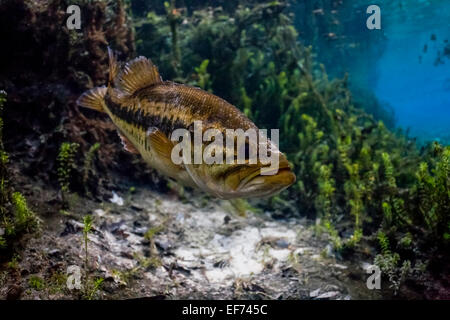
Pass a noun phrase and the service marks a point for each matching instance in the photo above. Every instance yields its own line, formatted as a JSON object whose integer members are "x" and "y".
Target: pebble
{"x": 365, "y": 265}
{"x": 140, "y": 231}
{"x": 72, "y": 226}
{"x": 100, "y": 212}
{"x": 180, "y": 217}
{"x": 55, "y": 253}
{"x": 339, "y": 266}
{"x": 165, "y": 246}
{"x": 14, "y": 292}
{"x": 328, "y": 295}
{"x": 282, "y": 243}
{"x": 302, "y": 251}
{"x": 136, "y": 207}
{"x": 116, "y": 199}
{"x": 329, "y": 250}
{"x": 314, "y": 293}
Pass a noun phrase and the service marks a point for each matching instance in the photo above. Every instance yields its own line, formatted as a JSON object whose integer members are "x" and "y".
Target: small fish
{"x": 318, "y": 11}
{"x": 146, "y": 110}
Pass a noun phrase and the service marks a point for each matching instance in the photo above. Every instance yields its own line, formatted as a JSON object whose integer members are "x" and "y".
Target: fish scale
{"x": 147, "y": 110}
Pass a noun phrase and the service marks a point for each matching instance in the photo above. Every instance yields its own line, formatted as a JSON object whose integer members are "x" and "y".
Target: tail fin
{"x": 93, "y": 99}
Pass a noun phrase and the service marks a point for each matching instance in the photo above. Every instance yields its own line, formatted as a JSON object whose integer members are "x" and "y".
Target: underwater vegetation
{"x": 363, "y": 184}
{"x": 16, "y": 218}
{"x": 354, "y": 174}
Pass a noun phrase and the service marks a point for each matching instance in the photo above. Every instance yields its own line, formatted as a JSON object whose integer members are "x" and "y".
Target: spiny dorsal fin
{"x": 113, "y": 66}
{"x": 137, "y": 74}
{"x": 93, "y": 99}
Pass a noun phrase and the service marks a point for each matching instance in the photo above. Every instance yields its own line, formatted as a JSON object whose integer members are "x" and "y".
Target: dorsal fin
{"x": 113, "y": 66}
{"x": 137, "y": 74}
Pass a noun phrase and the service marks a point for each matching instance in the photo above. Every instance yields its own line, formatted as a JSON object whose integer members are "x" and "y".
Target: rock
{"x": 162, "y": 245}
{"x": 135, "y": 207}
{"x": 180, "y": 217}
{"x": 339, "y": 266}
{"x": 116, "y": 199}
{"x": 140, "y": 231}
{"x": 314, "y": 293}
{"x": 147, "y": 252}
{"x": 331, "y": 287}
{"x": 72, "y": 226}
{"x": 226, "y": 219}
{"x": 221, "y": 264}
{"x": 126, "y": 254}
{"x": 302, "y": 251}
{"x": 109, "y": 286}
{"x": 365, "y": 266}
{"x": 328, "y": 295}
{"x": 117, "y": 227}
{"x": 14, "y": 292}
{"x": 24, "y": 272}
{"x": 277, "y": 215}
{"x": 329, "y": 251}
{"x": 54, "y": 253}
{"x": 99, "y": 212}
{"x": 282, "y": 243}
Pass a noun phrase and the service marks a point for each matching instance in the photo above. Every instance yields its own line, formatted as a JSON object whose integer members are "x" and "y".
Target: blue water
{"x": 413, "y": 74}
{"x": 399, "y": 63}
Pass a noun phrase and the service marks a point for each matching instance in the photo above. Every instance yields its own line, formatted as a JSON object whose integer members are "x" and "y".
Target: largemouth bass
{"x": 147, "y": 111}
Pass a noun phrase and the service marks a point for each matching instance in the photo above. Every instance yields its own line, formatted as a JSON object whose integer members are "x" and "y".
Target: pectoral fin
{"x": 162, "y": 147}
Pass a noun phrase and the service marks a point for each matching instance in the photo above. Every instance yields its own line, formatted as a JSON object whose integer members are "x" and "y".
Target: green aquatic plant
{"x": 57, "y": 283}
{"x": 390, "y": 263}
{"x": 92, "y": 285}
{"x": 351, "y": 167}
{"x": 25, "y": 219}
{"x": 149, "y": 235}
{"x": 432, "y": 193}
{"x": 383, "y": 241}
{"x": 88, "y": 162}
{"x": 13, "y": 264}
{"x": 36, "y": 283}
{"x": 66, "y": 163}
{"x": 174, "y": 19}
{"x": 96, "y": 285}
{"x": 203, "y": 75}
{"x": 87, "y": 228}
{"x": 16, "y": 218}
{"x": 325, "y": 199}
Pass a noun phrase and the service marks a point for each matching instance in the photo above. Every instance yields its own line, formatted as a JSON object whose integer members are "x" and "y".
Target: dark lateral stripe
{"x": 143, "y": 119}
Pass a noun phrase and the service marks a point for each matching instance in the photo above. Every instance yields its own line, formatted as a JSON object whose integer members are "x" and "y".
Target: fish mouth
{"x": 280, "y": 179}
